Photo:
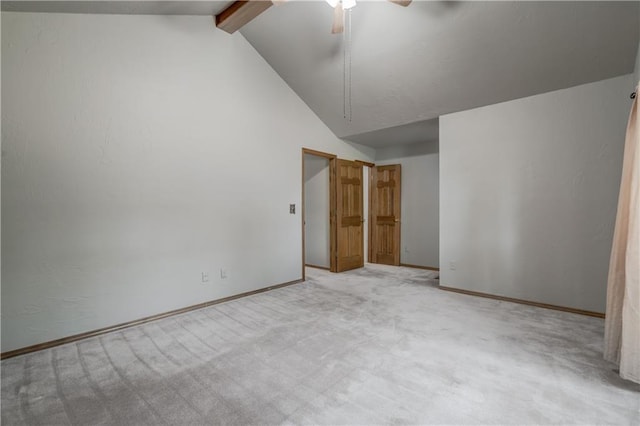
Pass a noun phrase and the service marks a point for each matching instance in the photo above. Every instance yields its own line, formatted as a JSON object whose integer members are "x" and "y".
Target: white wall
{"x": 420, "y": 181}
{"x": 138, "y": 152}
{"x": 316, "y": 210}
{"x": 636, "y": 70}
{"x": 529, "y": 191}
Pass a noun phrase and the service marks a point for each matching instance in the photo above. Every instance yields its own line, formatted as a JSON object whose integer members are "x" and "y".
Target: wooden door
{"x": 349, "y": 252}
{"x": 384, "y": 244}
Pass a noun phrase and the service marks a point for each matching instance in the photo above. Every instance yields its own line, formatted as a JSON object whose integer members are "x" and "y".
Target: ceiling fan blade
{"x": 403, "y": 3}
{"x": 338, "y": 19}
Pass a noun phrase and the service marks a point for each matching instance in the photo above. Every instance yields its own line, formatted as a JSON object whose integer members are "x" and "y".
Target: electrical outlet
{"x": 292, "y": 208}
{"x": 453, "y": 265}
{"x": 205, "y": 277}
{"x": 223, "y": 273}
{"x": 406, "y": 249}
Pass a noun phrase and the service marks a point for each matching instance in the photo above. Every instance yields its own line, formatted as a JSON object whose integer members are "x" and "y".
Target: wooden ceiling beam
{"x": 240, "y": 13}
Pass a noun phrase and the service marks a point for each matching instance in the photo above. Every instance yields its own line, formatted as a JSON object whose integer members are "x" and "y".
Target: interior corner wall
{"x": 529, "y": 192}
{"x": 138, "y": 152}
{"x": 420, "y": 180}
{"x": 316, "y": 210}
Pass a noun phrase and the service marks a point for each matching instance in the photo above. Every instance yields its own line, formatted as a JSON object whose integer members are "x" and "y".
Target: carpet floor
{"x": 379, "y": 345}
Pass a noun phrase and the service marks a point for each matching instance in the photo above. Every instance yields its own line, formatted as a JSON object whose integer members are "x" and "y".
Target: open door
{"x": 384, "y": 245}
{"x": 349, "y": 248}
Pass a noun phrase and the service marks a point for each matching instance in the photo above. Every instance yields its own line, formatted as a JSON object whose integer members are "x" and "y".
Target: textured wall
{"x": 419, "y": 238}
{"x": 138, "y": 152}
{"x": 316, "y": 210}
{"x": 529, "y": 191}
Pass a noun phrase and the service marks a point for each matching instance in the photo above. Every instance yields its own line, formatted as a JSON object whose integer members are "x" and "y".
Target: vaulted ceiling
{"x": 119, "y": 7}
{"x": 411, "y": 65}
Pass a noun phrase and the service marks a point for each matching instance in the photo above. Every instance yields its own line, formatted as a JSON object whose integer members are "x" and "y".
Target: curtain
{"x": 622, "y": 321}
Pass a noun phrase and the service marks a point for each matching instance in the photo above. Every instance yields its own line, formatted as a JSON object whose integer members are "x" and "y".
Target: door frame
{"x": 333, "y": 267}
{"x": 332, "y": 208}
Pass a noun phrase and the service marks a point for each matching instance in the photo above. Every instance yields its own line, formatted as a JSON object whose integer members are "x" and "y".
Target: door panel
{"x": 384, "y": 246}
{"x": 349, "y": 216}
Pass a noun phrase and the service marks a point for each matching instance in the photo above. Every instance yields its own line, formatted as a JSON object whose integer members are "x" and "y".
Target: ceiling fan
{"x": 338, "y": 26}
{"x": 339, "y": 6}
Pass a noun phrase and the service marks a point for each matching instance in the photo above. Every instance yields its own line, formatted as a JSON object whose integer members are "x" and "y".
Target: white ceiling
{"x": 411, "y": 65}
{"x": 432, "y": 58}
{"x": 146, "y": 7}
{"x": 416, "y": 132}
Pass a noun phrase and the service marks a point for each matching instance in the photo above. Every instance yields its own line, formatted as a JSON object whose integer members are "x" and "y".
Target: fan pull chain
{"x": 344, "y": 72}
{"x": 346, "y": 65}
{"x": 349, "y": 43}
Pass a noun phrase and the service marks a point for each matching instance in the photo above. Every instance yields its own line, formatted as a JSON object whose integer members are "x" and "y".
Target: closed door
{"x": 384, "y": 246}
{"x": 349, "y": 216}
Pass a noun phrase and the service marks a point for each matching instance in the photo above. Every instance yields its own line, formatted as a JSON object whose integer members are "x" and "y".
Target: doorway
{"x": 334, "y": 211}
{"x": 316, "y": 212}
{"x": 320, "y": 208}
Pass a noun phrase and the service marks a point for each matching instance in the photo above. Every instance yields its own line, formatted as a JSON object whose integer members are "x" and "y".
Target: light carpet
{"x": 379, "y": 345}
